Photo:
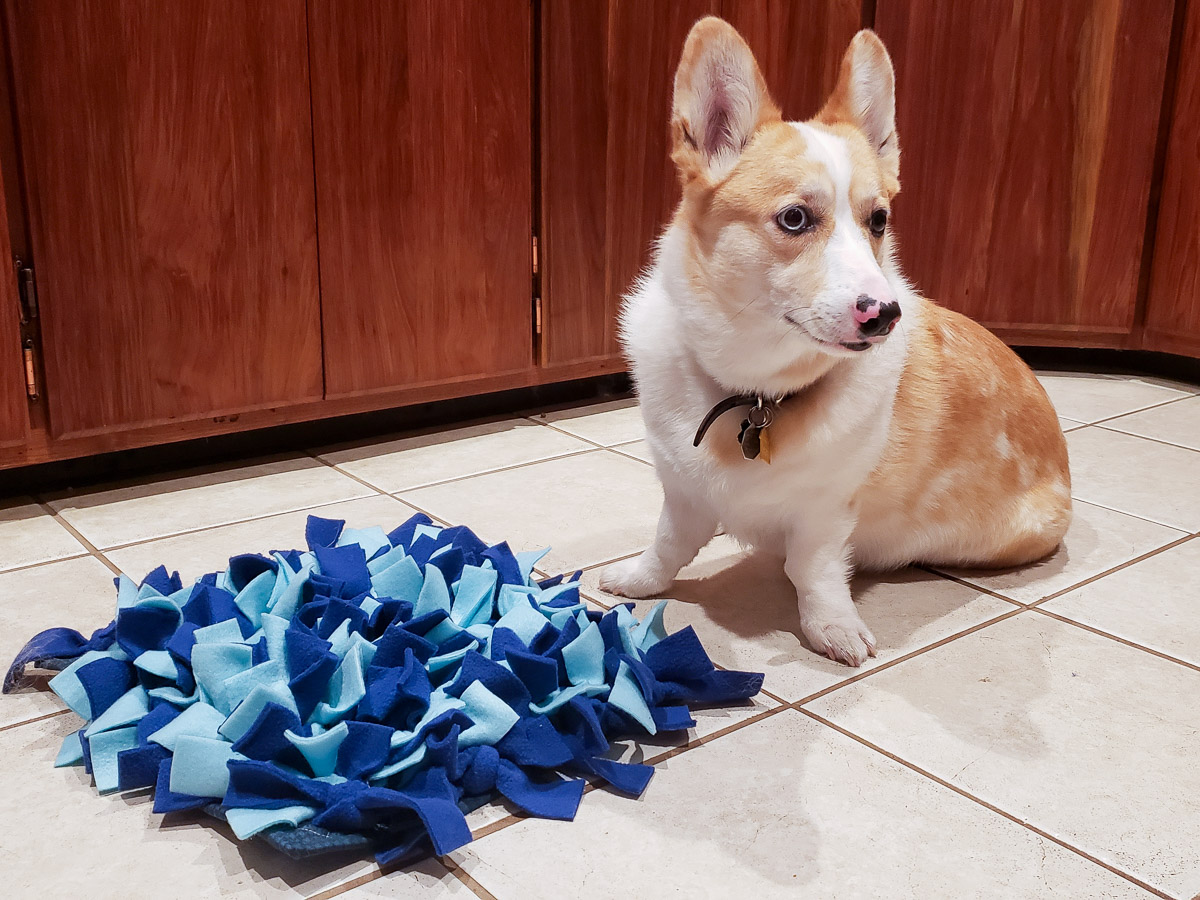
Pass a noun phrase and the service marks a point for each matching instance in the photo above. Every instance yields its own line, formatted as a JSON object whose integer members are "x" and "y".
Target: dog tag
{"x": 753, "y": 436}
{"x": 749, "y": 438}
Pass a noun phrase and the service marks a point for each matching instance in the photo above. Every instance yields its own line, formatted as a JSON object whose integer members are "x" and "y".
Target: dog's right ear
{"x": 720, "y": 101}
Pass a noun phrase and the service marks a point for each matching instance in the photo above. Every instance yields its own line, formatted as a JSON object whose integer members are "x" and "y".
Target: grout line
{"x": 286, "y": 512}
{"x": 1126, "y": 512}
{"x": 785, "y": 702}
{"x": 521, "y": 465}
{"x": 1123, "y": 512}
{"x": 500, "y": 824}
{"x": 672, "y": 752}
{"x": 907, "y": 656}
{"x": 1115, "y": 637}
{"x": 1146, "y": 437}
{"x": 666, "y": 753}
{"x": 11, "y": 725}
{"x": 1183, "y": 539}
{"x": 617, "y": 450}
{"x": 470, "y": 883}
{"x": 985, "y": 804}
{"x": 968, "y": 584}
{"x": 75, "y": 533}
{"x": 46, "y": 562}
{"x": 338, "y": 889}
{"x": 324, "y": 462}
{"x": 555, "y": 428}
{"x": 420, "y": 509}
{"x": 596, "y": 444}
{"x": 1140, "y": 409}
{"x": 380, "y": 492}
{"x": 1125, "y": 565}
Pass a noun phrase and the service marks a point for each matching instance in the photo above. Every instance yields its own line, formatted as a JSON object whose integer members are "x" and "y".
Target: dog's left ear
{"x": 865, "y": 97}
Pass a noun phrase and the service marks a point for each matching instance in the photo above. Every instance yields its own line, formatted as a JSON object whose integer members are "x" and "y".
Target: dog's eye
{"x": 878, "y": 222}
{"x": 795, "y": 219}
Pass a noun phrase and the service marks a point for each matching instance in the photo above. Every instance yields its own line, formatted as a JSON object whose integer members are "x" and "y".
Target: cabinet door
{"x": 422, "y": 119}
{"x": 1173, "y": 305}
{"x": 167, "y": 153}
{"x": 1027, "y": 134}
{"x": 14, "y": 410}
{"x": 608, "y": 185}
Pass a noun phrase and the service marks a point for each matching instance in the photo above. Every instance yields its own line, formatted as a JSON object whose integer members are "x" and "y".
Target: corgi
{"x": 796, "y": 391}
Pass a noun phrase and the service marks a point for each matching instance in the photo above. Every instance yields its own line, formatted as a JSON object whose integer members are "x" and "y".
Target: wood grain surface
{"x": 1173, "y": 303}
{"x": 608, "y": 185}
{"x": 168, "y": 161}
{"x": 422, "y": 126}
{"x": 1027, "y": 133}
{"x": 14, "y": 410}
{"x": 41, "y": 447}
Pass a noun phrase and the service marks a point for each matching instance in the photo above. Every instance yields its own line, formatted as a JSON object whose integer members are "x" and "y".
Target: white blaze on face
{"x": 850, "y": 263}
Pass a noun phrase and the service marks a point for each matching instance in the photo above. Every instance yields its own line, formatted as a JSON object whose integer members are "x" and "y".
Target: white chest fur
{"x": 825, "y": 441}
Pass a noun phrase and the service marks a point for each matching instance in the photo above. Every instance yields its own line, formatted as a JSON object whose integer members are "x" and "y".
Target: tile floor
{"x": 1032, "y": 733}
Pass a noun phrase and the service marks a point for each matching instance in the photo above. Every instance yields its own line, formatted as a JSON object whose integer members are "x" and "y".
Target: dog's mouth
{"x": 852, "y": 346}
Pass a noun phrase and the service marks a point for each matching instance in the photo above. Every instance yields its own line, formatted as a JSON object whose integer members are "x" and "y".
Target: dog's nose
{"x": 875, "y": 318}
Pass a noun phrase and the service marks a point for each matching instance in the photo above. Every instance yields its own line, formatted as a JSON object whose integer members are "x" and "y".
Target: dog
{"x": 878, "y": 429}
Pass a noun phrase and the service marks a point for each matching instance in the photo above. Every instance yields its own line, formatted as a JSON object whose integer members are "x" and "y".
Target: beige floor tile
{"x": 1088, "y": 398}
{"x": 783, "y": 808}
{"x": 744, "y": 610}
{"x": 1098, "y": 539}
{"x": 614, "y": 422}
{"x": 168, "y": 506}
{"x": 74, "y": 593}
{"x": 1136, "y": 476}
{"x": 1155, "y": 603}
{"x": 1089, "y": 739}
{"x": 636, "y": 449}
{"x": 1175, "y": 423}
{"x": 425, "y": 459}
{"x": 192, "y": 555}
{"x": 60, "y": 838}
{"x": 589, "y": 508}
{"x": 429, "y": 880}
{"x": 29, "y": 535}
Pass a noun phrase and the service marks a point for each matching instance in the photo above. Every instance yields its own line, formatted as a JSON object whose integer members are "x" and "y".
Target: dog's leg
{"x": 817, "y": 564}
{"x": 684, "y": 526}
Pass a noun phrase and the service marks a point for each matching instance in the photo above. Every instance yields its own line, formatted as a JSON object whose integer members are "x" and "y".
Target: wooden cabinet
{"x": 167, "y": 157}
{"x": 247, "y": 213}
{"x": 1173, "y": 304}
{"x": 14, "y": 414}
{"x": 607, "y": 182}
{"x": 1028, "y": 135}
{"x": 422, "y": 126}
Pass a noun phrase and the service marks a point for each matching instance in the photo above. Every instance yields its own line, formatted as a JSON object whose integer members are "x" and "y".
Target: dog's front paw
{"x": 842, "y": 640}
{"x": 634, "y": 578}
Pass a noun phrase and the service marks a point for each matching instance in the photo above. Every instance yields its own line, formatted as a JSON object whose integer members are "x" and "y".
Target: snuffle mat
{"x": 368, "y": 692}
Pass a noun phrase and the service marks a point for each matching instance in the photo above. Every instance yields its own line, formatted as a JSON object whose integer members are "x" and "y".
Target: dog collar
{"x": 753, "y": 437}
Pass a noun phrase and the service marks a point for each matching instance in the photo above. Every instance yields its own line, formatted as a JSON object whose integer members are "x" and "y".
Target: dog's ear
{"x": 720, "y": 101}
{"x": 865, "y": 97}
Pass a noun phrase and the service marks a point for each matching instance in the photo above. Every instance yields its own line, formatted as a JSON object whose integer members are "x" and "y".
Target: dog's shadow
{"x": 744, "y": 608}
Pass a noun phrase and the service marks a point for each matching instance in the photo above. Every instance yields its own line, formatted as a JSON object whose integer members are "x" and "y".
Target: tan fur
{"x": 963, "y": 392}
